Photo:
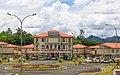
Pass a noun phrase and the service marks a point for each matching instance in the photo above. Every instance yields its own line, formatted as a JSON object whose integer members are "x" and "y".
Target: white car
{"x": 89, "y": 60}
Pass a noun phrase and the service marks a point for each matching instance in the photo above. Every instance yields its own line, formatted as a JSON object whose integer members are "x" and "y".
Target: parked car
{"x": 89, "y": 60}
{"x": 35, "y": 57}
{"x": 104, "y": 61}
{"x": 54, "y": 58}
{"x": 96, "y": 60}
{"x": 47, "y": 58}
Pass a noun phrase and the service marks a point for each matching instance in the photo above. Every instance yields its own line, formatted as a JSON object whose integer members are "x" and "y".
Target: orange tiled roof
{"x": 46, "y": 34}
{"x": 3, "y": 43}
{"x": 97, "y": 46}
{"x": 41, "y": 35}
{"x": 28, "y": 46}
{"x": 66, "y": 35}
{"x": 79, "y": 46}
{"x": 111, "y": 45}
{"x": 12, "y": 46}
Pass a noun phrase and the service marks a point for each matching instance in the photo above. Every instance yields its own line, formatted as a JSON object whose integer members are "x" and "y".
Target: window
{"x": 63, "y": 39}
{"x": 53, "y": 34}
{"x": 50, "y": 46}
{"x": 36, "y": 47}
{"x": 42, "y": 39}
{"x": 55, "y": 46}
{"x": 116, "y": 50}
{"x": 36, "y": 40}
{"x": 46, "y": 39}
{"x": 69, "y": 40}
{"x": 42, "y": 46}
{"x": 95, "y": 51}
{"x": 47, "y": 47}
{"x": 76, "y": 50}
{"x": 112, "y": 50}
{"x": 63, "y": 46}
{"x": 69, "y": 47}
{"x": 58, "y": 47}
{"x": 59, "y": 40}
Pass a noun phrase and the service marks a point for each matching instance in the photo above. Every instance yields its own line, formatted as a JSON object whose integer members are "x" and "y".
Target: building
{"x": 26, "y": 50}
{"x": 7, "y": 49}
{"x": 106, "y": 50}
{"x": 53, "y": 43}
{"x": 80, "y": 50}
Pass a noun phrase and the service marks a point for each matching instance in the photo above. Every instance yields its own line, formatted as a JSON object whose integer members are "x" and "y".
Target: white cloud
{"x": 89, "y": 15}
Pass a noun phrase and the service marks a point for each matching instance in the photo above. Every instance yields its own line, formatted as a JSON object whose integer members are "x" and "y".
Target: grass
{"x": 107, "y": 71}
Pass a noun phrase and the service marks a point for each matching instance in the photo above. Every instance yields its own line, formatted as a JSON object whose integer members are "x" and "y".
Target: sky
{"x": 69, "y": 16}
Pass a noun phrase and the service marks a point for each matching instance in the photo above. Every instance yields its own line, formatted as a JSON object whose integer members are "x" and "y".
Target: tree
{"x": 9, "y": 31}
{"x": 81, "y": 33}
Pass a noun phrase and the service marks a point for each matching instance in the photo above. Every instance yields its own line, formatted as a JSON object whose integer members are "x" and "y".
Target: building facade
{"x": 80, "y": 50}
{"x": 105, "y": 50}
{"x": 7, "y": 49}
{"x": 53, "y": 43}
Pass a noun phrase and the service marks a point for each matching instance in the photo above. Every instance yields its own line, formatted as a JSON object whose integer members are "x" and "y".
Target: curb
{"x": 102, "y": 69}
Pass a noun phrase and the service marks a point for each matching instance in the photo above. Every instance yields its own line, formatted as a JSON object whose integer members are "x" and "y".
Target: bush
{"x": 8, "y": 60}
{"x": 0, "y": 60}
{"x": 74, "y": 59}
{"x": 60, "y": 60}
{"x": 23, "y": 60}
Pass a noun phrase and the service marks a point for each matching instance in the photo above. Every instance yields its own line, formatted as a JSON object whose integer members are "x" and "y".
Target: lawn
{"x": 107, "y": 71}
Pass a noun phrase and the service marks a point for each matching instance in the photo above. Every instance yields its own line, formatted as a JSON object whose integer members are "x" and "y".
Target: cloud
{"x": 89, "y": 15}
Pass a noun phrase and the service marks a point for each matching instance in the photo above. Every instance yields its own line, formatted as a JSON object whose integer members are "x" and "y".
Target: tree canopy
{"x": 7, "y": 36}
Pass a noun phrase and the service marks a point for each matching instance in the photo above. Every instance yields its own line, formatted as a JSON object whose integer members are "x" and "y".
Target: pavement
{"x": 69, "y": 70}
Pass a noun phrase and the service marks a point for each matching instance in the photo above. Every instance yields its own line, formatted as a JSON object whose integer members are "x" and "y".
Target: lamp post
{"x": 116, "y": 36}
{"x": 21, "y": 22}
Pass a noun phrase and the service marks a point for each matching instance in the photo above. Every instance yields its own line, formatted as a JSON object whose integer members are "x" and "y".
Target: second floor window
{"x": 63, "y": 39}
{"x": 36, "y": 47}
{"x": 36, "y": 40}
{"x": 112, "y": 50}
{"x": 42, "y": 40}
{"x": 69, "y": 40}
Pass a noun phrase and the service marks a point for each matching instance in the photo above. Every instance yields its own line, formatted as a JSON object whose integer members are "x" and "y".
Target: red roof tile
{"x": 97, "y": 46}
{"x": 41, "y": 35}
{"x": 66, "y": 35}
{"x": 12, "y": 46}
{"x": 111, "y": 45}
{"x": 31, "y": 46}
{"x": 3, "y": 43}
{"x": 46, "y": 34}
{"x": 79, "y": 46}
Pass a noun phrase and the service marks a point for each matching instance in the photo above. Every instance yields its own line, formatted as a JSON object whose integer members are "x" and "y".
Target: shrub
{"x": 23, "y": 60}
{"x": 60, "y": 60}
{"x": 0, "y": 60}
{"x": 73, "y": 59}
{"x": 8, "y": 60}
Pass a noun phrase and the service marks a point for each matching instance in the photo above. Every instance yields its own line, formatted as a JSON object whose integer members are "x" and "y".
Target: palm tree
{"x": 81, "y": 32}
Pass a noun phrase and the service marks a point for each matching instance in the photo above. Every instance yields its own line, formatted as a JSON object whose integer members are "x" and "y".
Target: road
{"x": 69, "y": 70}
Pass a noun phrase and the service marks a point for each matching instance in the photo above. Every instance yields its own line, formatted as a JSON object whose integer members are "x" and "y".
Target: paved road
{"x": 70, "y": 70}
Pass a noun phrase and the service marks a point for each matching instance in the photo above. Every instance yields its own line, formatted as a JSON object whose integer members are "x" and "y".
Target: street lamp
{"x": 21, "y": 22}
{"x": 116, "y": 36}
